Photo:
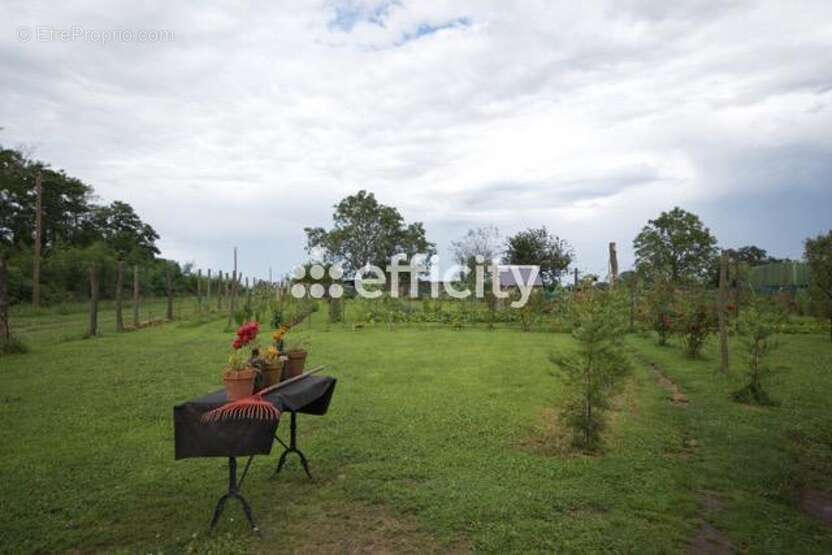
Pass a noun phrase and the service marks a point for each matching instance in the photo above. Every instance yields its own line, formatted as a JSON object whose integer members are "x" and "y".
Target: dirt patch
{"x": 359, "y": 528}
{"x": 708, "y": 539}
{"x": 675, "y": 392}
{"x": 817, "y": 504}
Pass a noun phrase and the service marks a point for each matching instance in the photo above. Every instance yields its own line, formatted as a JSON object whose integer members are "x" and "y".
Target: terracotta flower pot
{"x": 272, "y": 373}
{"x": 239, "y": 384}
{"x": 295, "y": 364}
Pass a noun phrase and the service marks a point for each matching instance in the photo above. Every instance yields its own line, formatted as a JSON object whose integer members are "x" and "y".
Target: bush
{"x": 12, "y": 346}
{"x": 695, "y": 320}
{"x": 759, "y": 324}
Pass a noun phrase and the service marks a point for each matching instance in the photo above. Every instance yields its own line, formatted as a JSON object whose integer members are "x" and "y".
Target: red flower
{"x": 246, "y": 334}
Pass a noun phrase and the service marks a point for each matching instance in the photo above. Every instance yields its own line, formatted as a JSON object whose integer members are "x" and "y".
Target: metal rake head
{"x": 250, "y": 408}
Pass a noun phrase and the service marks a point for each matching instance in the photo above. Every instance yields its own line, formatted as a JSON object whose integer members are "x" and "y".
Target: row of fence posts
{"x": 227, "y": 290}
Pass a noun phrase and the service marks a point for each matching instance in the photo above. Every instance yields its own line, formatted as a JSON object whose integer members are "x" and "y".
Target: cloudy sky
{"x": 250, "y": 122}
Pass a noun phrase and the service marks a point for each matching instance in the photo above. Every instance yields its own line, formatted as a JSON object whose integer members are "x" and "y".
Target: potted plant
{"x": 273, "y": 364}
{"x": 296, "y": 353}
{"x": 239, "y": 376}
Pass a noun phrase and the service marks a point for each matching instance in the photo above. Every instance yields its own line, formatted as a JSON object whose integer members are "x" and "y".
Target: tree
{"x": 478, "y": 241}
{"x": 760, "y": 323}
{"x": 675, "y": 246}
{"x": 536, "y": 246}
{"x": 593, "y": 372}
{"x": 818, "y": 253}
{"x": 367, "y": 232}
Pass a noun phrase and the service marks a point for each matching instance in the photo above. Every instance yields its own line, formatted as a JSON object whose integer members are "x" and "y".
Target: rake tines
{"x": 253, "y": 407}
{"x": 250, "y": 408}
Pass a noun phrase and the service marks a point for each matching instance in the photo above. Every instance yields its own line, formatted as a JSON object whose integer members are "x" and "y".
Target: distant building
{"x": 779, "y": 276}
{"x": 508, "y": 279}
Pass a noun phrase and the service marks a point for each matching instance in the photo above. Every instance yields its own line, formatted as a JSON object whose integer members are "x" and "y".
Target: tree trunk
{"x": 93, "y": 301}
{"x": 5, "y": 331}
{"x": 136, "y": 296}
{"x": 119, "y": 285}
{"x": 725, "y": 360}
{"x": 38, "y": 240}
{"x": 169, "y": 287}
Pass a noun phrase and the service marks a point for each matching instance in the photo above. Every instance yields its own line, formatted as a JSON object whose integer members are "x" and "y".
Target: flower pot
{"x": 238, "y": 384}
{"x": 272, "y": 372}
{"x": 295, "y": 364}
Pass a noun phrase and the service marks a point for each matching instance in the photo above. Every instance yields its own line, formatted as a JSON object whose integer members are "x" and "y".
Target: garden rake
{"x": 253, "y": 407}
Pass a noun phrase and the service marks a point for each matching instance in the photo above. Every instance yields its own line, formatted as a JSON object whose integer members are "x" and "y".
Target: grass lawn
{"x": 436, "y": 440}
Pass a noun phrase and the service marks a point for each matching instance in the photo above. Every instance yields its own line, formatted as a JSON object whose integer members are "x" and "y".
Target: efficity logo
{"x": 406, "y": 276}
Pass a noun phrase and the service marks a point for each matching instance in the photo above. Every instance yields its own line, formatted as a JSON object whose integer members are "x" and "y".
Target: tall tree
{"x": 367, "y": 232}
{"x": 536, "y": 246}
{"x": 481, "y": 241}
{"x": 818, "y": 253}
{"x": 675, "y": 246}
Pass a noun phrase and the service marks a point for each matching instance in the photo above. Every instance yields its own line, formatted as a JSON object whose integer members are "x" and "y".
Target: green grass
{"x": 436, "y": 440}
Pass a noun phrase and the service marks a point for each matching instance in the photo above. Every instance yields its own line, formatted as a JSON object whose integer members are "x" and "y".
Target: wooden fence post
{"x": 93, "y": 301}
{"x": 38, "y": 240}
{"x": 613, "y": 265}
{"x": 725, "y": 360}
{"x": 169, "y": 288}
{"x": 5, "y": 331}
{"x": 219, "y": 290}
{"x": 208, "y": 291}
{"x": 136, "y": 296}
{"x": 232, "y": 305}
{"x": 199, "y": 291}
{"x": 119, "y": 286}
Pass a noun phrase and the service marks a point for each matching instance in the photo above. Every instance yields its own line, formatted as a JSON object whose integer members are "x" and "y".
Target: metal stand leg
{"x": 234, "y": 492}
{"x": 291, "y": 448}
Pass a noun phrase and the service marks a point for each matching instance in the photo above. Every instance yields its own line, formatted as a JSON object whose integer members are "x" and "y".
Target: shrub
{"x": 759, "y": 324}
{"x": 695, "y": 321}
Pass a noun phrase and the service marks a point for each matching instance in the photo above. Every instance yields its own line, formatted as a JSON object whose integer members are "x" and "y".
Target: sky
{"x": 241, "y": 124}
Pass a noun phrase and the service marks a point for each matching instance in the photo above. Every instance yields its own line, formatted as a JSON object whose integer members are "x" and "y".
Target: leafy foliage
{"x": 367, "y": 232}
{"x": 818, "y": 252}
{"x": 695, "y": 320}
{"x": 759, "y": 324}
{"x": 676, "y": 246}
{"x": 536, "y": 246}
{"x": 592, "y": 374}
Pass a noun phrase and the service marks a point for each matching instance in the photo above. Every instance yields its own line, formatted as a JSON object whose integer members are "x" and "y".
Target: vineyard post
{"x": 38, "y": 240}
{"x": 136, "y": 296}
{"x": 199, "y": 291}
{"x": 613, "y": 265}
{"x": 5, "y": 332}
{"x": 725, "y": 360}
{"x": 93, "y": 301}
{"x": 208, "y": 291}
{"x": 169, "y": 288}
{"x": 219, "y": 290}
{"x": 232, "y": 304}
{"x": 119, "y": 286}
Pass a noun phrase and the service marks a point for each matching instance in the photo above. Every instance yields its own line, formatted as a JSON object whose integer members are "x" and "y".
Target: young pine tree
{"x": 592, "y": 373}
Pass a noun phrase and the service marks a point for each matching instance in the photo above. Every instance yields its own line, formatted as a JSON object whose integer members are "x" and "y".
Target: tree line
{"x": 75, "y": 232}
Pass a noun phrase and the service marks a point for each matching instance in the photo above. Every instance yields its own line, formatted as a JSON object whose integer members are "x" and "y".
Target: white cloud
{"x": 587, "y": 117}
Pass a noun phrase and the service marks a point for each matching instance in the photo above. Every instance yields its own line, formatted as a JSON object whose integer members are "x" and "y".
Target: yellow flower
{"x": 271, "y": 354}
